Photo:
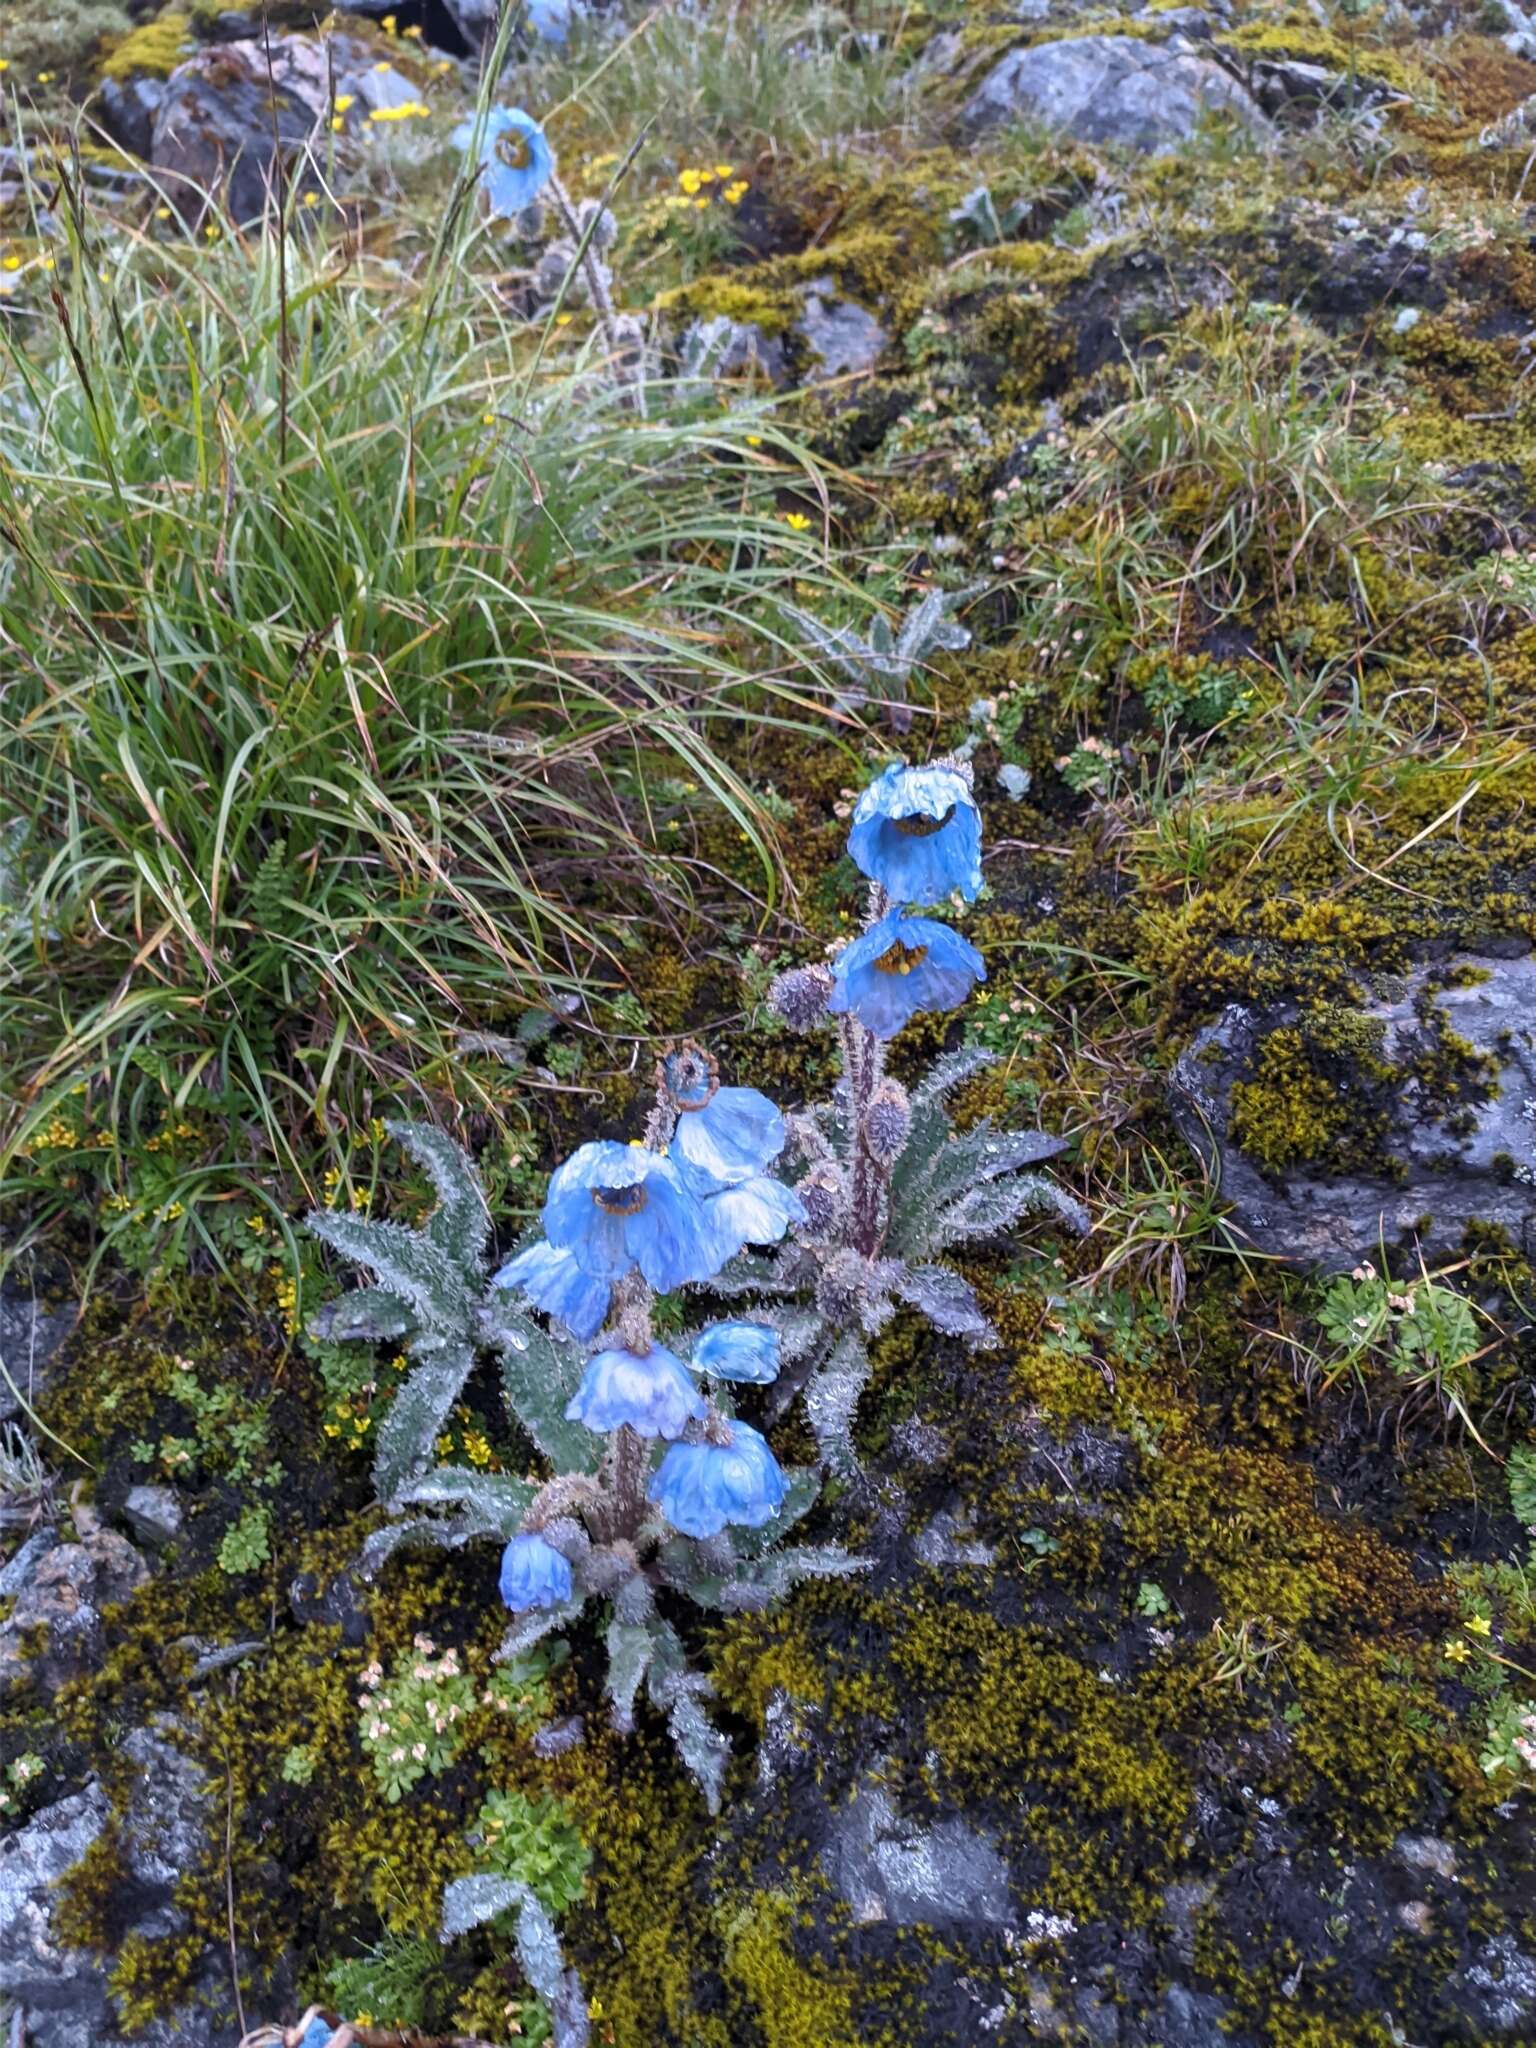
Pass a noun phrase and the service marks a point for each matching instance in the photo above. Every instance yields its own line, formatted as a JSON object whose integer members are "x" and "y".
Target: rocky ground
{"x": 1182, "y": 1700}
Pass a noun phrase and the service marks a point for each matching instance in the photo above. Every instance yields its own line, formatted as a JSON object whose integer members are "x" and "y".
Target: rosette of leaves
{"x": 432, "y": 1293}
{"x": 879, "y": 666}
{"x": 944, "y": 1189}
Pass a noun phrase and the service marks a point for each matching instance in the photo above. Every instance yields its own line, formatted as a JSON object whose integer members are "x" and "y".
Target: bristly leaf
{"x": 831, "y": 1397}
{"x": 368, "y": 1315}
{"x": 761, "y": 1581}
{"x": 538, "y": 1382}
{"x": 493, "y": 1502}
{"x": 470, "y": 1902}
{"x": 461, "y": 1224}
{"x": 949, "y": 1070}
{"x": 423, "y": 1532}
{"x": 987, "y": 1210}
{"x": 947, "y": 1300}
{"x": 630, "y": 1650}
{"x": 700, "y": 1744}
{"x": 534, "y": 1626}
{"x": 409, "y": 1432}
{"x": 408, "y": 1264}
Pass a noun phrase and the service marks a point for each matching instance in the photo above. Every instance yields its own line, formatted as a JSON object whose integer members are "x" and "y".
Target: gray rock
{"x": 62, "y": 1999}
{"x": 844, "y": 336}
{"x": 154, "y": 1514}
{"x": 30, "y": 1337}
{"x": 213, "y": 134}
{"x": 1498, "y": 1989}
{"x": 61, "y": 1993}
{"x": 1480, "y": 1166}
{"x": 15, "y": 1573}
{"x": 1282, "y": 83}
{"x": 127, "y": 109}
{"x": 63, "y": 1591}
{"x": 1118, "y": 90}
{"x": 1193, "y": 22}
{"x": 887, "y": 1868}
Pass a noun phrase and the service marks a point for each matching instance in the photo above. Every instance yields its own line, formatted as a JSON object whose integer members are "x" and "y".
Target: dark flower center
{"x": 920, "y": 826}
{"x": 621, "y": 1201}
{"x": 514, "y": 151}
{"x": 900, "y": 959}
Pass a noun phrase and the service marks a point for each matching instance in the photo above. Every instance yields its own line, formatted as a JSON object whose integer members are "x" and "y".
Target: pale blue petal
{"x": 735, "y": 1135}
{"x": 741, "y": 1351}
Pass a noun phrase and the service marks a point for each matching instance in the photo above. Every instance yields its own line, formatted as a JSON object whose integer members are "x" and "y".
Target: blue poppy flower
{"x": 613, "y": 1207}
{"x": 730, "y": 1137}
{"x": 516, "y": 161}
{"x": 757, "y": 1212}
{"x": 533, "y": 1574}
{"x": 702, "y": 1487}
{"x": 653, "y": 1394}
{"x": 917, "y": 832}
{"x": 554, "y": 1282}
{"x": 902, "y": 965}
{"x": 748, "y": 1352}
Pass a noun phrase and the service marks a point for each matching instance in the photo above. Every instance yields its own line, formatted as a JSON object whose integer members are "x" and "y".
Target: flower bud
{"x": 888, "y": 1122}
{"x": 847, "y": 1281}
{"x": 529, "y": 221}
{"x": 800, "y": 996}
{"x": 604, "y": 228}
{"x": 821, "y": 1193}
{"x": 552, "y": 268}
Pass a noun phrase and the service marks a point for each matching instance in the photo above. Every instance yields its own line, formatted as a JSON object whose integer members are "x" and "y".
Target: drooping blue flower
{"x": 554, "y": 1282}
{"x": 702, "y": 1487}
{"x": 533, "y": 1574}
{"x": 613, "y": 1207}
{"x": 516, "y": 161}
{"x": 653, "y": 1393}
{"x": 748, "y": 1352}
{"x": 917, "y": 832}
{"x": 757, "y": 1212}
{"x": 730, "y": 1137}
{"x": 902, "y": 965}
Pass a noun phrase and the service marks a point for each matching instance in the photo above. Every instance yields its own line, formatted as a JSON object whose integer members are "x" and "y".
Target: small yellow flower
{"x": 799, "y": 521}
{"x": 389, "y": 24}
{"x": 12, "y": 263}
{"x": 361, "y": 1197}
{"x": 343, "y": 100}
{"x": 562, "y": 319}
{"x": 162, "y": 213}
{"x": 1456, "y": 1651}
{"x": 337, "y": 124}
{"x": 706, "y": 177}
{"x": 734, "y": 194}
{"x": 754, "y": 440}
{"x": 5, "y": 63}
{"x": 311, "y": 198}
{"x": 212, "y": 231}
{"x": 690, "y": 181}
{"x": 701, "y": 204}
{"x": 44, "y": 77}
{"x": 383, "y": 65}
{"x": 723, "y": 170}
{"x": 332, "y": 1428}
{"x": 413, "y": 32}
{"x": 1479, "y": 1625}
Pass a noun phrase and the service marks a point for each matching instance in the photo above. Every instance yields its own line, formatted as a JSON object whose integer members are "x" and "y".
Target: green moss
{"x": 795, "y": 2004}
{"x": 153, "y": 49}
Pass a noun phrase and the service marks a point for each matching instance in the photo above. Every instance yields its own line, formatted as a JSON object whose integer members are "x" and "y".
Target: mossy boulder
{"x": 1339, "y": 1129}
